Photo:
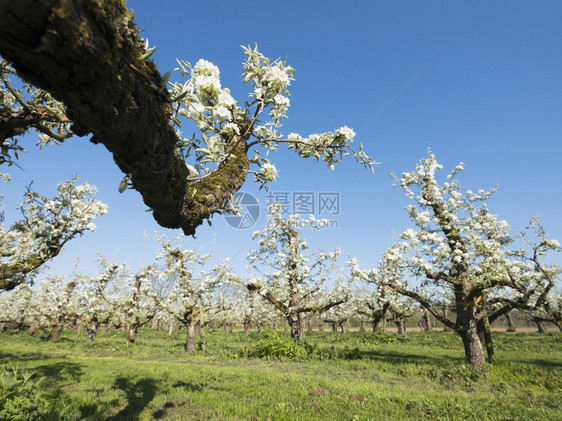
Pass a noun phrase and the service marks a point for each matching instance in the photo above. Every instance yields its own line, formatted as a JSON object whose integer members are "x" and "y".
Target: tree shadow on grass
{"x": 63, "y": 370}
{"x": 546, "y": 364}
{"x": 139, "y": 394}
{"x": 24, "y": 356}
{"x": 399, "y": 358}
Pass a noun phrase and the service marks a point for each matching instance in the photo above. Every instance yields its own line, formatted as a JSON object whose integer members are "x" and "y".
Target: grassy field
{"x": 354, "y": 376}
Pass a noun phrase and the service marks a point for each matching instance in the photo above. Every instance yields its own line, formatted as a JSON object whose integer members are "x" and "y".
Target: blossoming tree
{"x": 459, "y": 247}
{"x": 47, "y": 225}
{"x": 289, "y": 276}
{"x": 191, "y": 293}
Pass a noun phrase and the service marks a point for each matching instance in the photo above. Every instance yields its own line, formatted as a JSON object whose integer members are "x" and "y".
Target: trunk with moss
{"x": 466, "y": 327}
{"x": 88, "y": 55}
{"x": 485, "y": 335}
{"x": 400, "y": 325}
{"x": 426, "y": 320}
{"x": 510, "y": 325}
{"x": 92, "y": 330}
{"x": 190, "y": 339}
{"x": 540, "y": 325}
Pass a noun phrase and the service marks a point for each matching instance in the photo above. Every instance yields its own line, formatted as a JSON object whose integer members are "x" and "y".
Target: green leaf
{"x": 147, "y": 54}
{"x": 123, "y": 184}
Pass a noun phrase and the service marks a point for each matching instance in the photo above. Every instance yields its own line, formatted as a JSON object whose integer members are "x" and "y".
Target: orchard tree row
{"x": 459, "y": 261}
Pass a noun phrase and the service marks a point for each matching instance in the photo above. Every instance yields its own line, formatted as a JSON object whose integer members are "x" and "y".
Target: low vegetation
{"x": 357, "y": 375}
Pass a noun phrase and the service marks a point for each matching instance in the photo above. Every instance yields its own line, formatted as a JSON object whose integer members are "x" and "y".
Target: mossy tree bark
{"x": 87, "y": 54}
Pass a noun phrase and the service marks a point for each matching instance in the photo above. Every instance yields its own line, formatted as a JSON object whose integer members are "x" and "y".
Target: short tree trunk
{"x": 57, "y": 332}
{"x": 510, "y": 325}
{"x": 190, "y": 340}
{"x": 485, "y": 335}
{"x": 247, "y": 326}
{"x": 92, "y": 330}
{"x": 297, "y": 328}
{"x": 171, "y": 329}
{"x": 467, "y": 329}
{"x": 426, "y": 320}
{"x": 227, "y": 328}
{"x": 376, "y": 323}
{"x": 131, "y": 332}
{"x": 540, "y": 325}
{"x": 401, "y": 326}
{"x": 446, "y": 316}
{"x": 202, "y": 339}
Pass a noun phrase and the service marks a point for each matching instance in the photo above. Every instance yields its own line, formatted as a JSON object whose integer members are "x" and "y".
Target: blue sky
{"x": 478, "y": 82}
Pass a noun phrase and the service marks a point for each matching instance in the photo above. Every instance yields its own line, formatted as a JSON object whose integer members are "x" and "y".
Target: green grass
{"x": 354, "y": 376}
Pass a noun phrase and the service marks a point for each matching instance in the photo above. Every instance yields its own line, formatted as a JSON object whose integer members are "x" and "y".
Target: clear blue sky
{"x": 486, "y": 90}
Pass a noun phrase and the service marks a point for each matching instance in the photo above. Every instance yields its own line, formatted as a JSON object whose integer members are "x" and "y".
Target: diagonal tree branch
{"x": 87, "y": 54}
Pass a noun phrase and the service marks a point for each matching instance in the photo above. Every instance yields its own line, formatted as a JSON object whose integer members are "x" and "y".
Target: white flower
{"x": 226, "y": 99}
{"x": 269, "y": 171}
{"x": 281, "y": 100}
{"x": 204, "y": 67}
{"x": 258, "y": 92}
{"x": 294, "y": 137}
{"x": 231, "y": 128}
{"x": 277, "y": 75}
{"x": 194, "y": 112}
{"x": 346, "y": 132}
{"x": 222, "y": 112}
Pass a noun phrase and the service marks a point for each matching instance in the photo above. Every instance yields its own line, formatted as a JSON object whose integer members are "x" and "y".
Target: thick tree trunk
{"x": 540, "y": 325}
{"x": 376, "y": 322}
{"x": 466, "y": 327}
{"x": 227, "y": 328}
{"x": 202, "y": 342}
{"x": 190, "y": 340}
{"x": 400, "y": 325}
{"x": 344, "y": 327}
{"x": 87, "y": 54}
{"x": 297, "y": 328}
{"x": 485, "y": 335}
{"x": 247, "y": 326}
{"x": 92, "y": 330}
{"x": 334, "y": 327}
{"x": 131, "y": 332}
{"x": 426, "y": 320}
{"x": 446, "y": 316}
{"x": 361, "y": 326}
{"x": 57, "y": 332}
{"x": 510, "y": 325}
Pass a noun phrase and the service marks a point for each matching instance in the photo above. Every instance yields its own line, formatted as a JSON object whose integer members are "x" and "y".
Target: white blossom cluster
{"x": 224, "y": 125}
{"x": 46, "y": 226}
